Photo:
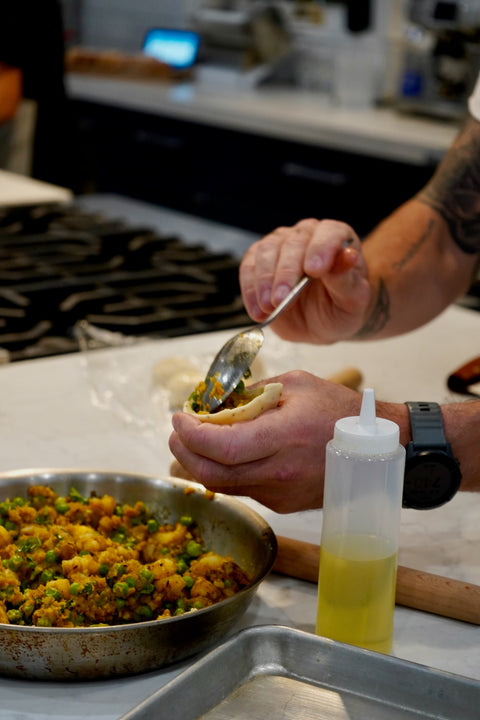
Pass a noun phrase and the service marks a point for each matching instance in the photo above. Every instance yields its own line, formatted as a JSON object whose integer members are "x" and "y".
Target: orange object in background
{"x": 11, "y": 91}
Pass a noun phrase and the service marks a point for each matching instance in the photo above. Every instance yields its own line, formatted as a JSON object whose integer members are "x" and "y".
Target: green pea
{"x": 9, "y": 525}
{"x": 194, "y": 549}
{"x": 120, "y": 569}
{"x": 15, "y": 562}
{"x": 152, "y": 525}
{"x": 198, "y": 605}
{"x": 53, "y": 592}
{"x": 103, "y": 569}
{"x": 148, "y": 589}
{"x": 28, "y": 609}
{"x": 51, "y": 557}
{"x": 146, "y": 574}
{"x": 130, "y": 581}
{"x": 120, "y": 589}
{"x": 75, "y": 588}
{"x": 46, "y": 576}
{"x": 15, "y": 616}
{"x": 61, "y": 505}
{"x": 44, "y": 622}
{"x": 181, "y": 566}
{"x": 189, "y": 581}
{"x": 88, "y": 588}
{"x": 186, "y": 520}
{"x": 119, "y": 537}
{"x": 145, "y": 612}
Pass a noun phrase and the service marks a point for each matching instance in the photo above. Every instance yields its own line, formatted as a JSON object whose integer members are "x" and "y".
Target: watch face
{"x": 431, "y": 479}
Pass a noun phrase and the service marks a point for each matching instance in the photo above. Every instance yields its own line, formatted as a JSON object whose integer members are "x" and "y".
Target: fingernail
{"x": 315, "y": 263}
{"x": 281, "y": 292}
{"x": 255, "y": 312}
{"x": 265, "y": 296}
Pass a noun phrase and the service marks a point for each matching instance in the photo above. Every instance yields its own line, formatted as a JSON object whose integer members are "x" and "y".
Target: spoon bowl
{"x": 234, "y": 359}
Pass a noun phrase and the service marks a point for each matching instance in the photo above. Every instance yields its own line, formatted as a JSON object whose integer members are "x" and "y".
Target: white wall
{"x": 121, "y": 24}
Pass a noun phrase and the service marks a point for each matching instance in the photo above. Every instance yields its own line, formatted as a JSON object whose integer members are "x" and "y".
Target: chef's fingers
{"x": 230, "y": 445}
{"x": 272, "y": 266}
{"x": 291, "y": 259}
{"x": 331, "y": 248}
{"x": 268, "y": 480}
{"x": 257, "y": 271}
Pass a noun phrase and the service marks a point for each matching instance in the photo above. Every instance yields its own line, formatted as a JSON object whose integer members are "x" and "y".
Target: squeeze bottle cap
{"x": 366, "y": 434}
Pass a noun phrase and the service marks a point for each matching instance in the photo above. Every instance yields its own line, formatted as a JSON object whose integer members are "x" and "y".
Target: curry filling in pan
{"x": 82, "y": 562}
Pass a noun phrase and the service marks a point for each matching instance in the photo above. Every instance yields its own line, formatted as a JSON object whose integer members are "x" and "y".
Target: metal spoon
{"x": 235, "y": 357}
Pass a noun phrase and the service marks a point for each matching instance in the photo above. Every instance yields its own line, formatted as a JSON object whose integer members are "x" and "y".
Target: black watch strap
{"x": 432, "y": 474}
{"x": 426, "y": 423}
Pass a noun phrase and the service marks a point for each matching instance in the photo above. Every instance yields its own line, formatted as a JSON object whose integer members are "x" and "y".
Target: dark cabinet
{"x": 246, "y": 180}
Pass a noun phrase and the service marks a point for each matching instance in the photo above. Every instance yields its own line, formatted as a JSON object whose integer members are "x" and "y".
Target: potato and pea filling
{"x": 80, "y": 562}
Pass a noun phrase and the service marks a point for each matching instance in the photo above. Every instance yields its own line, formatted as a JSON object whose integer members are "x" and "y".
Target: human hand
{"x": 277, "y": 459}
{"x": 331, "y": 308}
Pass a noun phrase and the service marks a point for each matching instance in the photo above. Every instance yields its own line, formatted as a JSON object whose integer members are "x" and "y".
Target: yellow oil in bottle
{"x": 356, "y": 591}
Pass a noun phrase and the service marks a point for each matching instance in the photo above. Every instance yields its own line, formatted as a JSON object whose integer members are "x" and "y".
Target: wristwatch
{"x": 432, "y": 473}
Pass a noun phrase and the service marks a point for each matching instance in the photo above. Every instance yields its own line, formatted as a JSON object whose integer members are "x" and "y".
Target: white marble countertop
{"x": 283, "y": 113}
{"x": 17, "y": 189}
{"x": 100, "y": 410}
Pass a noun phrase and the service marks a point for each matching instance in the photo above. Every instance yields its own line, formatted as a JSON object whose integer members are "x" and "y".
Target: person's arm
{"x": 424, "y": 256}
{"x": 415, "y": 263}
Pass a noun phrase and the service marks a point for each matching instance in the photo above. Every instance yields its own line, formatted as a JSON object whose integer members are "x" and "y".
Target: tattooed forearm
{"x": 415, "y": 248}
{"x": 454, "y": 190}
{"x": 379, "y": 316}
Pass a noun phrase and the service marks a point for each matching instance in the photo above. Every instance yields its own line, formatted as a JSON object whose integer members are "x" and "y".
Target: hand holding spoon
{"x": 235, "y": 357}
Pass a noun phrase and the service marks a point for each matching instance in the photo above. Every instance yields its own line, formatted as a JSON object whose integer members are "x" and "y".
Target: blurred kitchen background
{"x": 206, "y": 123}
{"x": 262, "y": 127}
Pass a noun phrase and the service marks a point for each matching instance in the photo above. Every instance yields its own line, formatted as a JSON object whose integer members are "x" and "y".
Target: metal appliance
{"x": 243, "y": 42}
{"x": 62, "y": 264}
{"x": 441, "y": 57}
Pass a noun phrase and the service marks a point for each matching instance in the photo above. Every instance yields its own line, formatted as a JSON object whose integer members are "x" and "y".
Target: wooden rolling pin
{"x": 349, "y": 376}
{"x": 415, "y": 588}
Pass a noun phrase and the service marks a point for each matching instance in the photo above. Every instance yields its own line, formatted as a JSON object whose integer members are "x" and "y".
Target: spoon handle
{"x": 286, "y": 301}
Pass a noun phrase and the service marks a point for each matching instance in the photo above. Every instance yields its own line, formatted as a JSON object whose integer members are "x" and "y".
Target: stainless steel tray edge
{"x": 409, "y": 689}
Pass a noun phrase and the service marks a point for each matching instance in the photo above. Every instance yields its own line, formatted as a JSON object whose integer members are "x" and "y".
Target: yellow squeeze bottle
{"x": 360, "y": 531}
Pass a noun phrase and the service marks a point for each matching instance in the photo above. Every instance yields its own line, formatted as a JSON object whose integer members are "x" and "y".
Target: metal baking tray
{"x": 277, "y": 672}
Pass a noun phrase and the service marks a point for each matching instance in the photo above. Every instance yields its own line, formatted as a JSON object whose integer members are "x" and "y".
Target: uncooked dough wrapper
{"x": 264, "y": 398}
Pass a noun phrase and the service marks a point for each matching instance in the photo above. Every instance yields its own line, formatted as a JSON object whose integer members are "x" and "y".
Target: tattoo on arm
{"x": 379, "y": 316}
{"x": 454, "y": 191}
{"x": 414, "y": 248}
